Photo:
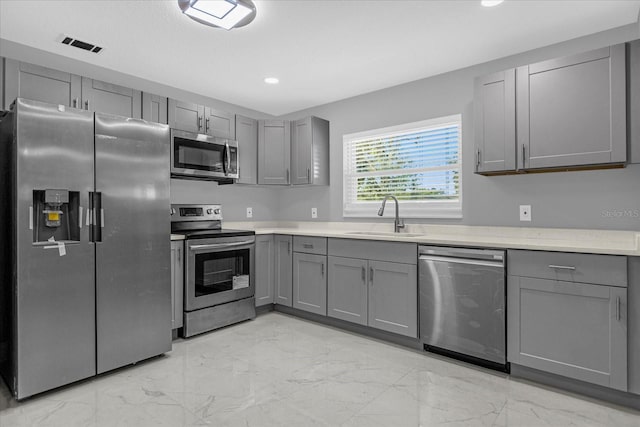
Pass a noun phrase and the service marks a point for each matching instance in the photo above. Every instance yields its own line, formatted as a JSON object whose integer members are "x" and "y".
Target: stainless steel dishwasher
{"x": 462, "y": 304}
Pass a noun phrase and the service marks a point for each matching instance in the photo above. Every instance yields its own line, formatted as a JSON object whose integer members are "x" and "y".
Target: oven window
{"x": 221, "y": 271}
{"x": 190, "y": 154}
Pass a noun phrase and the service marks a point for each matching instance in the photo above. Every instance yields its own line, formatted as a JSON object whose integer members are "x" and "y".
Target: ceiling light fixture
{"x": 271, "y": 80}
{"x": 225, "y": 14}
{"x": 491, "y": 3}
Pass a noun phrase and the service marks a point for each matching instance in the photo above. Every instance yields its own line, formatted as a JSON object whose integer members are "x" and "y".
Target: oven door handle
{"x": 220, "y": 245}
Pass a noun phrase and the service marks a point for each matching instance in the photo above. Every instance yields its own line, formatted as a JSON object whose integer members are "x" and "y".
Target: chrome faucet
{"x": 398, "y": 223}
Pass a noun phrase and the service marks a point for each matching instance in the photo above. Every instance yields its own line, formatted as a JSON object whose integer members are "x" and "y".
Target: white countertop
{"x": 547, "y": 239}
{"x": 177, "y": 237}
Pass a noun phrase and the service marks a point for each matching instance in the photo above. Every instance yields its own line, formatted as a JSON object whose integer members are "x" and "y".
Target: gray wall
{"x": 561, "y": 199}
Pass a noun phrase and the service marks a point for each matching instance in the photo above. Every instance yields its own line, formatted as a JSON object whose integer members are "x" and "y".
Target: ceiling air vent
{"x": 81, "y": 45}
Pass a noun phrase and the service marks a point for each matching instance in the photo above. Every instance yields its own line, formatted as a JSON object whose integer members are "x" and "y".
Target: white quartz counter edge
{"x": 473, "y": 241}
{"x": 177, "y": 237}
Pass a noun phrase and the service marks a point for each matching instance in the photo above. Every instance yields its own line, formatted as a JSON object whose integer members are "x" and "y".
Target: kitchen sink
{"x": 383, "y": 233}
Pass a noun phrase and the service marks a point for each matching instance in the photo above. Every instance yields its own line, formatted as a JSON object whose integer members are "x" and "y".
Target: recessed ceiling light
{"x": 491, "y": 3}
{"x": 271, "y": 80}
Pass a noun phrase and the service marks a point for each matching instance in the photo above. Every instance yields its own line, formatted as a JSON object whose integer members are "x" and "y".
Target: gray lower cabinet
{"x": 571, "y": 111}
{"x": 264, "y": 270}
{"x": 567, "y": 315}
{"x": 177, "y": 283}
{"x": 111, "y": 99}
{"x": 495, "y": 122}
{"x": 310, "y": 151}
{"x": 310, "y": 282}
{"x": 347, "y": 292}
{"x": 283, "y": 274}
{"x": 393, "y": 297}
{"x": 23, "y": 80}
{"x": 154, "y": 108}
{"x": 247, "y": 137}
{"x": 274, "y": 152}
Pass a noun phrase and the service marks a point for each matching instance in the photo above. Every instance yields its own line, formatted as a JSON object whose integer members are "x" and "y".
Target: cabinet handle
{"x": 179, "y": 250}
{"x": 289, "y": 248}
{"x": 206, "y": 125}
{"x": 618, "y": 309}
{"x": 309, "y": 175}
{"x": 478, "y": 158}
{"x": 287, "y": 176}
{"x": 523, "y": 154}
{"x": 364, "y": 272}
{"x": 322, "y": 269}
{"x": 561, "y": 267}
{"x": 76, "y": 102}
{"x": 371, "y": 275}
{"x": 86, "y": 104}
{"x": 199, "y": 122}
{"x": 307, "y": 245}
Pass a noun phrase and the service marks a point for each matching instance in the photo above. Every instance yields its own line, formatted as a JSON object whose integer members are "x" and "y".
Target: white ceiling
{"x": 322, "y": 51}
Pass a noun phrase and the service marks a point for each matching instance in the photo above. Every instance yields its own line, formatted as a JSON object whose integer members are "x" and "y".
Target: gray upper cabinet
{"x": 310, "y": 283}
{"x": 191, "y": 117}
{"x": 154, "y": 108}
{"x": 567, "y": 315}
{"x": 571, "y": 111}
{"x": 30, "y": 81}
{"x": 633, "y": 113}
{"x": 274, "y": 151}
{"x": 186, "y": 116}
{"x": 111, "y": 99}
{"x": 219, "y": 123}
{"x": 310, "y": 151}
{"x": 177, "y": 283}
{"x": 247, "y": 136}
{"x": 283, "y": 282}
{"x": 264, "y": 270}
{"x": 393, "y": 297}
{"x": 495, "y": 118}
{"x": 347, "y": 289}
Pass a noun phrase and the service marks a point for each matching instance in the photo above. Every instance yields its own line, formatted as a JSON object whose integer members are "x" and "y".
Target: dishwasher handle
{"x": 468, "y": 261}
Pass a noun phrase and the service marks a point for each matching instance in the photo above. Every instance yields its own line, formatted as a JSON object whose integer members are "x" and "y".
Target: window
{"x": 419, "y": 163}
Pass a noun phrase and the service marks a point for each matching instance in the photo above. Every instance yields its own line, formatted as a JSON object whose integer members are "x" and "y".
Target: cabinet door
{"x": 219, "y": 123}
{"x": 186, "y": 116}
{"x": 572, "y": 110}
{"x": 274, "y": 144}
{"x": 495, "y": 122}
{"x": 154, "y": 108}
{"x": 571, "y": 329}
{"x": 393, "y": 297}
{"x": 264, "y": 270}
{"x": 177, "y": 284}
{"x": 633, "y": 75}
{"x": 247, "y": 136}
{"x": 301, "y": 151}
{"x": 111, "y": 99}
{"x": 283, "y": 282}
{"x": 310, "y": 283}
{"x": 347, "y": 289}
{"x": 30, "y": 81}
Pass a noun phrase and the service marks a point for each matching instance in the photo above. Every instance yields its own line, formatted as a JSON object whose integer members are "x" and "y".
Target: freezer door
{"x": 55, "y": 292}
{"x": 133, "y": 249}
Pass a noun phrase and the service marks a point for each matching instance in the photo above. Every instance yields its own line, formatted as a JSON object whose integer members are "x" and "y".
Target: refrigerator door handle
{"x": 101, "y": 218}
{"x": 30, "y": 217}
{"x": 80, "y": 217}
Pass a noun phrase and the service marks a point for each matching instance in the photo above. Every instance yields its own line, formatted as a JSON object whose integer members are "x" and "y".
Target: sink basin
{"x": 382, "y": 233}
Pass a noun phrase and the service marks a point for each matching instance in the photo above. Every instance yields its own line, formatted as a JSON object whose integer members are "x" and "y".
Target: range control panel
{"x": 196, "y": 213}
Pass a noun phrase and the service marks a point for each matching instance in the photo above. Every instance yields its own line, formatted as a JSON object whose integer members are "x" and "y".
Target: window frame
{"x": 424, "y": 209}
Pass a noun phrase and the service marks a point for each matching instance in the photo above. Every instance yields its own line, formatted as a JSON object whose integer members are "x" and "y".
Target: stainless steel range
{"x": 219, "y": 284}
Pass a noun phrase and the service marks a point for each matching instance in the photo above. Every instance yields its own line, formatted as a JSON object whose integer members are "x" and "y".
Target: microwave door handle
{"x": 228, "y": 158}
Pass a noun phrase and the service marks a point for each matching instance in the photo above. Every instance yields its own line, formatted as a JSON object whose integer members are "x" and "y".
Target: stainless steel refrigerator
{"x": 87, "y": 209}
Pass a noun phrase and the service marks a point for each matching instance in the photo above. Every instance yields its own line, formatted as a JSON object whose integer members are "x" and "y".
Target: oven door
{"x": 201, "y": 156}
{"x": 219, "y": 270}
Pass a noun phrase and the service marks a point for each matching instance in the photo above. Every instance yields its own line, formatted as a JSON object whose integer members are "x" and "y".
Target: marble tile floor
{"x": 279, "y": 370}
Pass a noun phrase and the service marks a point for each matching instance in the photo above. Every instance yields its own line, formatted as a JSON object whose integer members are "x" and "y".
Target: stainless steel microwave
{"x": 199, "y": 156}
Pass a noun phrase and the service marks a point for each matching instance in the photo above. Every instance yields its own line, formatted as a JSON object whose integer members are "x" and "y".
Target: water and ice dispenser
{"x": 56, "y": 216}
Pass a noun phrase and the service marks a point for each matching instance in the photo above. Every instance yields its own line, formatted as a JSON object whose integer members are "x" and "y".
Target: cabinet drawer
{"x": 570, "y": 267}
{"x": 405, "y": 253}
{"x": 310, "y": 245}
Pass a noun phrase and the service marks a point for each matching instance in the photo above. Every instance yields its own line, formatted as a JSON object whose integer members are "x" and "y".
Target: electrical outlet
{"x": 525, "y": 212}
{"x": 249, "y": 212}
{"x": 314, "y": 212}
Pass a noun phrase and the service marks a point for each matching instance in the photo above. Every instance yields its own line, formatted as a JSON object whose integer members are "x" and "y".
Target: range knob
{"x": 217, "y": 211}
{"x": 209, "y": 211}
{"x": 173, "y": 211}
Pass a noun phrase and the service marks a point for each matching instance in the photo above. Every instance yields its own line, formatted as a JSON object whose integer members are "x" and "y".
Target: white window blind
{"x": 419, "y": 163}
